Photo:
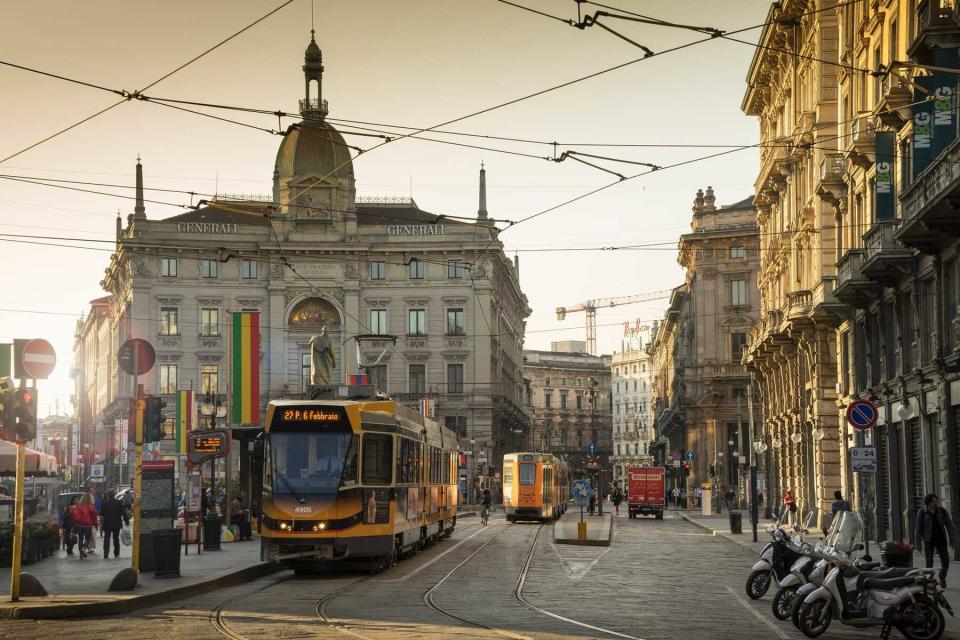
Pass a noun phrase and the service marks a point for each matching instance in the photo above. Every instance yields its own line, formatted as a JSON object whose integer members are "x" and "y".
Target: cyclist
{"x": 485, "y": 506}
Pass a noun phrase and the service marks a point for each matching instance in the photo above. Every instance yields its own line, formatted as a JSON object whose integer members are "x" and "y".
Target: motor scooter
{"x": 777, "y": 557}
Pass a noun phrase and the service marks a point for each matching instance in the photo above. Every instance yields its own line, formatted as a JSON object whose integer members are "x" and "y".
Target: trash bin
{"x": 166, "y": 552}
{"x": 211, "y": 532}
{"x": 736, "y": 524}
{"x": 148, "y": 561}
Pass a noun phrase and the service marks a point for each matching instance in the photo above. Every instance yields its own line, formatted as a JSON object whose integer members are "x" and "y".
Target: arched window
{"x": 314, "y": 312}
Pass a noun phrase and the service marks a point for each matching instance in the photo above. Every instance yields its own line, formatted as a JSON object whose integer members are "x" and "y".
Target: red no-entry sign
{"x": 38, "y": 359}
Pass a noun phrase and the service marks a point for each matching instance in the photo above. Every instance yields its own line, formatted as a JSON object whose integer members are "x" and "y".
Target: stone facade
{"x": 859, "y": 287}
{"x": 898, "y": 268}
{"x": 569, "y": 399}
{"x": 632, "y": 390}
{"x": 315, "y": 255}
{"x": 792, "y": 352}
{"x": 701, "y": 383}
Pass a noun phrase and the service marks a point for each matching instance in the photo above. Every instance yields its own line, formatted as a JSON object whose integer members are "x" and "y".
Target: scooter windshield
{"x": 846, "y": 530}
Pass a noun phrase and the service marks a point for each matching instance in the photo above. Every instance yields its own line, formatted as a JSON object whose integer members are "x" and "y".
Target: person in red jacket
{"x": 84, "y": 521}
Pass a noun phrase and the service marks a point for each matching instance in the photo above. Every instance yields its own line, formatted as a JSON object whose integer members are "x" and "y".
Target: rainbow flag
{"x": 245, "y": 363}
{"x": 186, "y": 418}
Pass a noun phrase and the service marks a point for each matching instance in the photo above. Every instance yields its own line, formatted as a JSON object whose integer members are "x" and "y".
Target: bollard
{"x": 581, "y": 531}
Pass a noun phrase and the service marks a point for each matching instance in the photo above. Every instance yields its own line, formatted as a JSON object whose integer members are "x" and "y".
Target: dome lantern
{"x": 313, "y": 106}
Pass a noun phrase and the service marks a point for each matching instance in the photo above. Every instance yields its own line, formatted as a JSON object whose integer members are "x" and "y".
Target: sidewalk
{"x": 720, "y": 527}
{"x": 78, "y": 588}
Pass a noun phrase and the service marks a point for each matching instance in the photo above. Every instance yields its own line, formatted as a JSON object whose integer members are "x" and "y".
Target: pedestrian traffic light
{"x": 153, "y": 420}
{"x": 24, "y": 414}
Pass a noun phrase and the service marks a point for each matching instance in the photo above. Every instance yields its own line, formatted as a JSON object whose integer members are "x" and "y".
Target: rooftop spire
{"x": 139, "y": 211}
{"x": 482, "y": 212}
{"x": 313, "y": 106}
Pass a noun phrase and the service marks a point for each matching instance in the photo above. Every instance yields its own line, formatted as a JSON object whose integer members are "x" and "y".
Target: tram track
{"x": 219, "y": 617}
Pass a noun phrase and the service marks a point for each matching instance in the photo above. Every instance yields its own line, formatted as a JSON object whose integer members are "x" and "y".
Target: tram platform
{"x": 599, "y": 528}
{"x": 78, "y": 588}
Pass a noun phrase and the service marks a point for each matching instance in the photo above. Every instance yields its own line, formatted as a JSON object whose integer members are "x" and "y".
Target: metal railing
{"x": 862, "y": 129}
{"x": 314, "y": 104}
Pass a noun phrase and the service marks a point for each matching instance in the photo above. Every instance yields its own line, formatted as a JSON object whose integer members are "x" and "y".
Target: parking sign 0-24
{"x": 863, "y": 459}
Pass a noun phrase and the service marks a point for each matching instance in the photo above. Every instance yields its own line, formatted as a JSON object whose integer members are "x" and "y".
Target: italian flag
{"x": 245, "y": 363}
{"x": 186, "y": 418}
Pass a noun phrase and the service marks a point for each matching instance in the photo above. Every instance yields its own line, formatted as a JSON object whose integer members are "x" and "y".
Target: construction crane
{"x": 591, "y": 306}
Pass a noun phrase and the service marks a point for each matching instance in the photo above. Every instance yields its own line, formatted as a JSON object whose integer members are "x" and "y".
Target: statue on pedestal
{"x": 322, "y": 360}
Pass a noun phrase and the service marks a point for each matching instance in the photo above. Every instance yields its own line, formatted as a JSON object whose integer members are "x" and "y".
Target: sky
{"x": 412, "y": 64}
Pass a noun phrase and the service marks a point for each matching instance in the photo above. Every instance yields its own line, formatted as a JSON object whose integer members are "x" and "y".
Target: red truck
{"x": 645, "y": 491}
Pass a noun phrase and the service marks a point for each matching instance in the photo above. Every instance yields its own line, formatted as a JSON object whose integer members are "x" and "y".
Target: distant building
{"x": 632, "y": 395}
{"x": 569, "y": 398}
{"x": 701, "y": 384}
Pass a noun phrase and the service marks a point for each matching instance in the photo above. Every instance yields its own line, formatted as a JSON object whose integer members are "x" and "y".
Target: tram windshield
{"x": 314, "y": 463}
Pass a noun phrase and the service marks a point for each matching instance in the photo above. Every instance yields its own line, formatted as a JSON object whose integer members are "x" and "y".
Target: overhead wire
{"x": 127, "y": 96}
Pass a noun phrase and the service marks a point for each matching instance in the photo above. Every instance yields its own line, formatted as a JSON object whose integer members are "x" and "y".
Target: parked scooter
{"x": 904, "y": 598}
{"x": 777, "y": 557}
{"x": 808, "y": 570}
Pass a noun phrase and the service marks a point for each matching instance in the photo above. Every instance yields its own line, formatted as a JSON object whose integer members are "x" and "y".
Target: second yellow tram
{"x": 536, "y": 486}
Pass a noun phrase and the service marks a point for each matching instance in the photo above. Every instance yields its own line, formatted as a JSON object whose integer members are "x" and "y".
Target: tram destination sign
{"x": 207, "y": 445}
{"x": 298, "y": 416}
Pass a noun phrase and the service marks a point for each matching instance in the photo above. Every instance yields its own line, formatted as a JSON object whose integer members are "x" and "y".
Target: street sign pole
{"x": 18, "y": 525}
{"x": 137, "y": 461}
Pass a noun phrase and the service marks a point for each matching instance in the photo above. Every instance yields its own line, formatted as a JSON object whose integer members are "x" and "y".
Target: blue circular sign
{"x": 592, "y": 448}
{"x": 690, "y": 456}
{"x": 862, "y": 414}
{"x": 676, "y": 455}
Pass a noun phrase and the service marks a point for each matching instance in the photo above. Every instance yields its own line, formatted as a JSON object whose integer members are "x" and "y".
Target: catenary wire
{"x": 129, "y": 96}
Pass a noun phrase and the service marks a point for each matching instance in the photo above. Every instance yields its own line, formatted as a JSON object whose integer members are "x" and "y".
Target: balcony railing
{"x": 862, "y": 129}
{"x": 880, "y": 238}
{"x": 832, "y": 168}
{"x": 314, "y": 104}
{"x": 848, "y": 269}
{"x": 800, "y": 303}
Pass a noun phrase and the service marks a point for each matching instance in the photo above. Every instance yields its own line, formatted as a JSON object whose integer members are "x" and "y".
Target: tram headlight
{"x": 284, "y": 526}
{"x": 320, "y": 526}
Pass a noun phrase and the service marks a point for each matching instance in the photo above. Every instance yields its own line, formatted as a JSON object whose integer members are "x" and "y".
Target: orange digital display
{"x": 310, "y": 415}
{"x": 214, "y": 444}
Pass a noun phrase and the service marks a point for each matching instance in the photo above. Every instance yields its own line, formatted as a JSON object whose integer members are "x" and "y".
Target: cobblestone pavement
{"x": 659, "y": 579}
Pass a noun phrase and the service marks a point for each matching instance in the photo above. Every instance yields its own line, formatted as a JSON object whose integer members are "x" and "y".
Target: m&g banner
{"x": 922, "y": 124}
{"x": 883, "y": 183}
{"x": 944, "y": 103}
{"x": 935, "y": 111}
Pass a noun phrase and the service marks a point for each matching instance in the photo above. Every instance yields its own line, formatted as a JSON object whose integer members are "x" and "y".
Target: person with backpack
{"x": 84, "y": 522}
{"x": 113, "y": 516}
{"x": 485, "y": 504}
{"x": 935, "y": 533}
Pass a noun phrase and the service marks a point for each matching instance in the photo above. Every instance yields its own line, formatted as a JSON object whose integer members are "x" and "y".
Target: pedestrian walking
{"x": 84, "y": 522}
{"x": 935, "y": 532}
{"x": 617, "y": 499}
{"x": 239, "y": 519}
{"x": 676, "y": 497}
{"x": 113, "y": 516}
{"x": 698, "y": 497}
{"x": 69, "y": 530}
{"x": 790, "y": 504}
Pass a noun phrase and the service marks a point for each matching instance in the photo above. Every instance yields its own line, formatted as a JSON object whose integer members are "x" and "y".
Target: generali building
{"x": 314, "y": 255}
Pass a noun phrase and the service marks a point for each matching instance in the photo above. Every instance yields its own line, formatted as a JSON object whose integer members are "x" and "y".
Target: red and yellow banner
{"x": 245, "y": 361}
{"x": 185, "y": 418}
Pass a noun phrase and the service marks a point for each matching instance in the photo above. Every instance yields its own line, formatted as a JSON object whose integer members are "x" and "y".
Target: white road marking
{"x": 746, "y": 605}
{"x": 577, "y": 568}
{"x": 427, "y": 564}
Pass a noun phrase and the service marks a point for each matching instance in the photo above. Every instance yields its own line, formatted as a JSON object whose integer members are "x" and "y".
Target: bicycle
{"x": 484, "y": 514}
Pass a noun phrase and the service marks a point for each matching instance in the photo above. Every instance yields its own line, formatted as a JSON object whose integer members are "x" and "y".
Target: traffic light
{"x": 153, "y": 420}
{"x": 24, "y": 414}
{"x": 686, "y": 469}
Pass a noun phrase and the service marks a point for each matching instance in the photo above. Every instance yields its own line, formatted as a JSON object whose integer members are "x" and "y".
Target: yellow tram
{"x": 536, "y": 486}
{"x": 353, "y": 479}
